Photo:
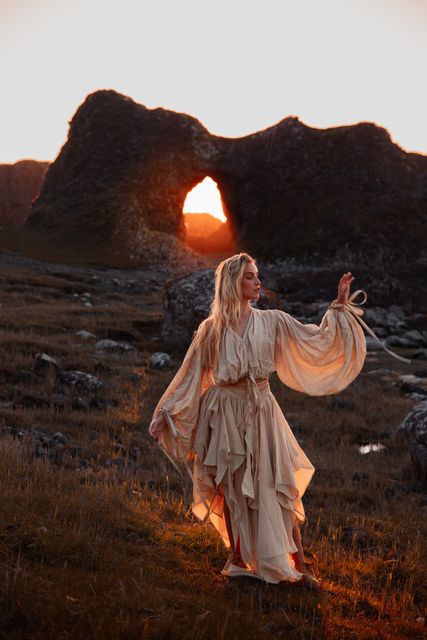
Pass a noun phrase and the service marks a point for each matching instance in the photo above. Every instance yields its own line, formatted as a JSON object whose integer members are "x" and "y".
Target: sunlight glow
{"x": 205, "y": 198}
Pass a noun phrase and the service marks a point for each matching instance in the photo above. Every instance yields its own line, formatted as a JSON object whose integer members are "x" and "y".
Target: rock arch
{"x": 119, "y": 182}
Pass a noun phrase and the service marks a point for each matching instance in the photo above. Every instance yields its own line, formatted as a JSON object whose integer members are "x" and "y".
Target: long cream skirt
{"x": 247, "y": 454}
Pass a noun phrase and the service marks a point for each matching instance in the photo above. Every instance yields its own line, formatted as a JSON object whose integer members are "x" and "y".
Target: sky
{"x": 238, "y": 66}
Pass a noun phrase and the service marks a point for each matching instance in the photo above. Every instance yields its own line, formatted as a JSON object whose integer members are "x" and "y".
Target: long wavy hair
{"x": 225, "y": 308}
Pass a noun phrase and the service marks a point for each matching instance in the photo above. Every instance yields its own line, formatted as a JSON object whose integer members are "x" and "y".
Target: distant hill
{"x": 205, "y": 233}
{"x": 20, "y": 184}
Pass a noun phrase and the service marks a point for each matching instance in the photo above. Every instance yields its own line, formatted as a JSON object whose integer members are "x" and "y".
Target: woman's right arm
{"x": 175, "y": 417}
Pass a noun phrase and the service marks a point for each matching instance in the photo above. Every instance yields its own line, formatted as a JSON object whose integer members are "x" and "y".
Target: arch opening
{"x": 207, "y": 229}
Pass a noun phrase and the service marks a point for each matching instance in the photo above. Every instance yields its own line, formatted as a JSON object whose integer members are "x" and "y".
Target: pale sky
{"x": 238, "y": 66}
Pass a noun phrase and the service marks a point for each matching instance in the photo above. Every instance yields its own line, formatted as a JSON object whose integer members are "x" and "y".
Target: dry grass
{"x": 109, "y": 548}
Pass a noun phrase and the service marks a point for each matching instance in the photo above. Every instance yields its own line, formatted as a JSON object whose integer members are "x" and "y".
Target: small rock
{"x": 382, "y": 371}
{"x": 93, "y": 435}
{"x": 81, "y": 380}
{"x": 397, "y": 341}
{"x": 412, "y": 384}
{"x": 160, "y": 360}
{"x": 44, "y": 364}
{"x": 59, "y": 438}
{"x": 59, "y": 400}
{"x": 420, "y": 354}
{"x": 415, "y": 337}
{"x": 85, "y": 334}
{"x": 135, "y": 376}
{"x": 113, "y": 345}
{"x": 372, "y": 344}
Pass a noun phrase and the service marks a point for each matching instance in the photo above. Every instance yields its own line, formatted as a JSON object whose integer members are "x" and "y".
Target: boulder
{"x": 413, "y": 431}
{"x": 187, "y": 301}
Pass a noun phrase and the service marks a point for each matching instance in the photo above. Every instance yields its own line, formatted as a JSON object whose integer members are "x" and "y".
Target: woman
{"x": 249, "y": 472}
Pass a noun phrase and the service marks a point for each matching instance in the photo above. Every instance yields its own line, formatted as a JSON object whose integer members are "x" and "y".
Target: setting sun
{"x": 205, "y": 198}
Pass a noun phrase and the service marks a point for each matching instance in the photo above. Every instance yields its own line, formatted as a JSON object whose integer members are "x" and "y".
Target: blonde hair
{"x": 225, "y": 308}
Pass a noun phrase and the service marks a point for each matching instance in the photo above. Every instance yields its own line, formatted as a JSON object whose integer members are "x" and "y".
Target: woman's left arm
{"x": 321, "y": 359}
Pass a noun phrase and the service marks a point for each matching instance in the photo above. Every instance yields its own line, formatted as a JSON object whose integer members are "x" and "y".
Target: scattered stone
{"x": 44, "y": 364}
{"x": 135, "y": 376}
{"x": 372, "y": 446}
{"x": 59, "y": 438}
{"x": 85, "y": 334}
{"x": 113, "y": 346}
{"x": 84, "y": 382}
{"x": 186, "y": 302}
{"x": 413, "y": 431}
{"x": 415, "y": 337}
{"x": 59, "y": 400}
{"x": 372, "y": 344}
{"x": 393, "y": 319}
{"x": 382, "y": 371}
{"x": 413, "y": 384}
{"x": 397, "y": 341}
{"x": 420, "y": 354}
{"x": 160, "y": 360}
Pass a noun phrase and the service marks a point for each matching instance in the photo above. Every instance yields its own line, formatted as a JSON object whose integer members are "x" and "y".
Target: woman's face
{"x": 251, "y": 284}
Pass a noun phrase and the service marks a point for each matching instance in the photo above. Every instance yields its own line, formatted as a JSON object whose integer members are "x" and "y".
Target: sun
{"x": 205, "y": 198}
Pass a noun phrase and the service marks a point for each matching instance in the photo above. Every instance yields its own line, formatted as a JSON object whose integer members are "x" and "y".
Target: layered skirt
{"x": 247, "y": 455}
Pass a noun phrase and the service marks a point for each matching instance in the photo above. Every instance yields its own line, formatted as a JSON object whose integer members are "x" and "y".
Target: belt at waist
{"x": 261, "y": 383}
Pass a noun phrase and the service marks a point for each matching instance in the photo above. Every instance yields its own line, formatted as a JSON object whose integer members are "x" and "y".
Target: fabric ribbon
{"x": 255, "y": 403}
{"x": 354, "y": 308}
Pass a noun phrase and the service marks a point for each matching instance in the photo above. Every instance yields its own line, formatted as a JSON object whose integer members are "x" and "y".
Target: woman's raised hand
{"x": 157, "y": 426}
{"x": 344, "y": 287}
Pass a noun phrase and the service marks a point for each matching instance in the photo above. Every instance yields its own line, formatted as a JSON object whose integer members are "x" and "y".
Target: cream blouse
{"x": 314, "y": 359}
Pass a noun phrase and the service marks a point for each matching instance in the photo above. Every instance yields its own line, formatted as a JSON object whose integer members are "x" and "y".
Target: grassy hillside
{"x": 97, "y": 539}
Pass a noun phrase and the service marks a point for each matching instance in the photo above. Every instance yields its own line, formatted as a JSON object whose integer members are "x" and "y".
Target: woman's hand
{"x": 344, "y": 287}
{"x": 157, "y": 426}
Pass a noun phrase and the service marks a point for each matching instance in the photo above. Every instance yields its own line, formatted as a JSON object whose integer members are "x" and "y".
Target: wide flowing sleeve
{"x": 320, "y": 359}
{"x": 180, "y": 405}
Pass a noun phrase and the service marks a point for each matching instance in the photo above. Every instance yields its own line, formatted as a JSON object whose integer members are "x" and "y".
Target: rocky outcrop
{"x": 413, "y": 430}
{"x": 19, "y": 185}
{"x": 119, "y": 183}
{"x": 187, "y": 301}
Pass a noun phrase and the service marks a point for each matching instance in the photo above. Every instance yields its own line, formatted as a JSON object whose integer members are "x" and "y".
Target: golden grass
{"x": 109, "y": 551}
